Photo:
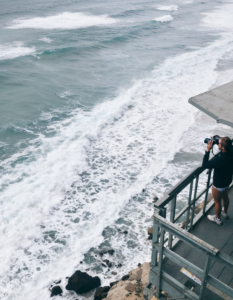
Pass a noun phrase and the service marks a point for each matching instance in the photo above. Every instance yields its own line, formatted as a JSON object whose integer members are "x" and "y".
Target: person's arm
{"x": 213, "y": 163}
{"x": 206, "y": 163}
{"x": 206, "y": 159}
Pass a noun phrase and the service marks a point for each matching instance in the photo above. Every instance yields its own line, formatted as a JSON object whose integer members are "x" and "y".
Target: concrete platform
{"x": 220, "y": 237}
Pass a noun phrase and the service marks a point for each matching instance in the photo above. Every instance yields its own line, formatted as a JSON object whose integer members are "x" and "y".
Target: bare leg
{"x": 225, "y": 200}
{"x": 217, "y": 200}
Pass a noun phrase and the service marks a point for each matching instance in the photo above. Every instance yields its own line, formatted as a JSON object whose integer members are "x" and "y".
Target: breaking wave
{"x": 66, "y": 20}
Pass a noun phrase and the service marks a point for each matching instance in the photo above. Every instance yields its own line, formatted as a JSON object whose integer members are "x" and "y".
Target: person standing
{"x": 222, "y": 178}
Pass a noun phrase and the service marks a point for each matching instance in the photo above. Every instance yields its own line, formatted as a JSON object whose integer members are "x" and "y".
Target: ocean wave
{"x": 219, "y": 19}
{"x": 163, "y": 19}
{"x": 17, "y": 49}
{"x": 66, "y": 20}
{"x": 168, "y": 7}
{"x": 46, "y": 40}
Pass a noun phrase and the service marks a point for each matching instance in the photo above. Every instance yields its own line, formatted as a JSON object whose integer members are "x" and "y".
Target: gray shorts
{"x": 220, "y": 189}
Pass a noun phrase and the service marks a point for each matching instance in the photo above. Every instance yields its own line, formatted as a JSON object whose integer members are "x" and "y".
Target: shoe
{"x": 225, "y": 215}
{"x": 214, "y": 219}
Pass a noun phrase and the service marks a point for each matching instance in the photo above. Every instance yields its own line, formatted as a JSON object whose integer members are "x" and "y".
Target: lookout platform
{"x": 192, "y": 258}
{"x": 221, "y": 237}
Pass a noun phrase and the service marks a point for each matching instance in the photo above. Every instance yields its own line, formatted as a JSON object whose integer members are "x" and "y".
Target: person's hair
{"x": 226, "y": 142}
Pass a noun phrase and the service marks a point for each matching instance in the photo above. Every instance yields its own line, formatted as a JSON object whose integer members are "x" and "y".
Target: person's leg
{"x": 225, "y": 200}
{"x": 217, "y": 200}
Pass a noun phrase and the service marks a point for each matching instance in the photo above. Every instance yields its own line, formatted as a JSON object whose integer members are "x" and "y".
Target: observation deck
{"x": 192, "y": 258}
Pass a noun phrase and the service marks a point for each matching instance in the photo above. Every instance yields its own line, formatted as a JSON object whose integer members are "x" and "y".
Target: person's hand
{"x": 209, "y": 146}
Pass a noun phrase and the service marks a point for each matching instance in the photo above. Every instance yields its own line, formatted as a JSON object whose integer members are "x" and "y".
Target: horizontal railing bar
{"x": 219, "y": 285}
{"x": 224, "y": 259}
{"x": 184, "y": 235}
{"x": 170, "y": 289}
{"x": 186, "y": 180}
{"x": 182, "y": 262}
{"x": 179, "y": 260}
{"x": 179, "y": 286}
{"x": 183, "y": 183}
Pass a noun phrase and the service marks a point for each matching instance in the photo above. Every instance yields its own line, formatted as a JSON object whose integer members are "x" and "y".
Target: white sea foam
{"x": 220, "y": 19}
{"x": 66, "y": 20}
{"x": 166, "y": 18}
{"x": 168, "y": 7}
{"x": 64, "y": 94}
{"x": 46, "y": 40}
{"x": 16, "y": 49}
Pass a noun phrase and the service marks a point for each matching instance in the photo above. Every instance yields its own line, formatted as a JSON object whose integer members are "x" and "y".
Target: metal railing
{"x": 163, "y": 240}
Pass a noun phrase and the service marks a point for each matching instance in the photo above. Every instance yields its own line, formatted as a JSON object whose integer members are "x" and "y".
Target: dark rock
{"x": 57, "y": 282}
{"x": 87, "y": 269}
{"x": 139, "y": 265}
{"x": 81, "y": 282}
{"x": 130, "y": 287}
{"x": 101, "y": 293}
{"x": 144, "y": 190}
{"x": 119, "y": 265}
{"x": 150, "y": 232}
{"x": 103, "y": 265}
{"x": 102, "y": 252}
{"x": 125, "y": 277}
{"x": 108, "y": 263}
{"x": 155, "y": 199}
{"x": 114, "y": 273}
{"x": 113, "y": 283}
{"x": 56, "y": 290}
{"x": 125, "y": 232}
{"x": 67, "y": 277}
{"x": 80, "y": 262}
{"x": 111, "y": 251}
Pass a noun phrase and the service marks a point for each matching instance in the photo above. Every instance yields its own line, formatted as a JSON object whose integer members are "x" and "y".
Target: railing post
{"x": 155, "y": 239}
{"x": 189, "y": 201}
{"x": 158, "y": 290}
{"x": 194, "y": 201}
{"x": 172, "y": 217}
{"x": 155, "y": 236}
{"x": 206, "y": 271}
{"x": 206, "y": 194}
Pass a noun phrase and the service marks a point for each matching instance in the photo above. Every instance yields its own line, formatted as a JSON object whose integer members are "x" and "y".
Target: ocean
{"x": 95, "y": 122}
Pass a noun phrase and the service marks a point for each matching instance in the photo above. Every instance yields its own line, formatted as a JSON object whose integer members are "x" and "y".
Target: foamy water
{"x": 16, "y": 49}
{"x": 66, "y": 20}
{"x": 46, "y": 40}
{"x": 166, "y": 18}
{"x": 168, "y": 7}
{"x": 79, "y": 179}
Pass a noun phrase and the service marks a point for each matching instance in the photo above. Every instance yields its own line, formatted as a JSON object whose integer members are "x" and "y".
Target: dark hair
{"x": 226, "y": 142}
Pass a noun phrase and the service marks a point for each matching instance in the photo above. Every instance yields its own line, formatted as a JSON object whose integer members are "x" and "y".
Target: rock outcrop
{"x": 132, "y": 285}
{"x": 56, "y": 290}
{"x": 81, "y": 282}
{"x": 101, "y": 293}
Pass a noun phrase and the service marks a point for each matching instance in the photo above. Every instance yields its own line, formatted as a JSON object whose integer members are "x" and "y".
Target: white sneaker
{"x": 225, "y": 215}
{"x": 214, "y": 219}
